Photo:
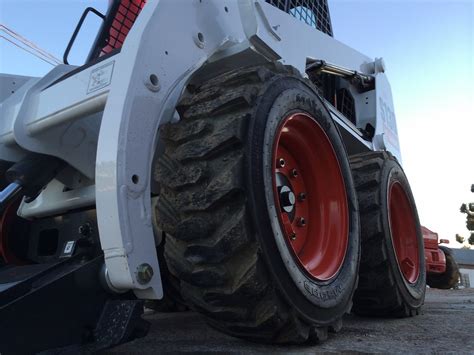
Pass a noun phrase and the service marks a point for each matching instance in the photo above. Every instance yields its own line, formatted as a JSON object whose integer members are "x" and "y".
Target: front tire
{"x": 219, "y": 206}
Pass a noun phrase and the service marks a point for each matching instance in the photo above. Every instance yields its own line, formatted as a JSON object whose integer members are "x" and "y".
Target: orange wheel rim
{"x": 403, "y": 230}
{"x": 310, "y": 196}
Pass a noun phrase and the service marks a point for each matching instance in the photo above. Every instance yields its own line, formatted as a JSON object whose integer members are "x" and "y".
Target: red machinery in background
{"x": 442, "y": 270}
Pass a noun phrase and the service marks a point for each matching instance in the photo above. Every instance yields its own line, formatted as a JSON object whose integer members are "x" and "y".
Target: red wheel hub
{"x": 403, "y": 230}
{"x": 8, "y": 223}
{"x": 310, "y": 196}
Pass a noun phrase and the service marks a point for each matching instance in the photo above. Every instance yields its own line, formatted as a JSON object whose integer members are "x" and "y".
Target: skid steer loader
{"x": 442, "y": 271}
{"x": 230, "y": 152}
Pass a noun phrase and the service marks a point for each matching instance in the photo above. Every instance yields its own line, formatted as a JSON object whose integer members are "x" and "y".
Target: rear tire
{"x": 387, "y": 287}
{"x": 216, "y": 180}
{"x": 447, "y": 279}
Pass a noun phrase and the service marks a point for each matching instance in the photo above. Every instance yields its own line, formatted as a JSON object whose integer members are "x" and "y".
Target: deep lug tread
{"x": 319, "y": 334}
{"x": 210, "y": 245}
{"x": 187, "y": 130}
{"x": 377, "y": 293}
{"x": 447, "y": 279}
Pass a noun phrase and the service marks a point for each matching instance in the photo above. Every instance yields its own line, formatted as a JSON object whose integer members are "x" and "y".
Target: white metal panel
{"x": 74, "y": 140}
{"x": 61, "y": 119}
{"x": 170, "y": 41}
{"x": 81, "y": 94}
{"x": 9, "y": 108}
{"x": 53, "y": 200}
{"x": 9, "y": 84}
{"x": 386, "y": 133}
{"x": 294, "y": 41}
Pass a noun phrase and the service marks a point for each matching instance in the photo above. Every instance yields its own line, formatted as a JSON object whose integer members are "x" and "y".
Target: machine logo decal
{"x": 100, "y": 77}
{"x": 390, "y": 126}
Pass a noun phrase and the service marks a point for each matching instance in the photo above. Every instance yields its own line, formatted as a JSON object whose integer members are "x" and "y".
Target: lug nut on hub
{"x": 144, "y": 273}
{"x": 85, "y": 229}
{"x": 302, "y": 222}
{"x": 281, "y": 162}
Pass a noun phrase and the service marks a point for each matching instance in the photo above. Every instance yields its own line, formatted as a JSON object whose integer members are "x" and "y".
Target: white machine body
{"x": 103, "y": 119}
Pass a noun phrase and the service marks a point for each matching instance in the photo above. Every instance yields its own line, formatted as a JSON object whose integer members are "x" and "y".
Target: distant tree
{"x": 468, "y": 209}
{"x": 470, "y": 223}
{"x": 471, "y": 239}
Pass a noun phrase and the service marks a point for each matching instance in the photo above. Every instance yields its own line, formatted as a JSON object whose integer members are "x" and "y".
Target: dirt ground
{"x": 446, "y": 326}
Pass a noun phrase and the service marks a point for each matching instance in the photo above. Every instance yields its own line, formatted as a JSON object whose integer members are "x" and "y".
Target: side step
{"x": 62, "y": 308}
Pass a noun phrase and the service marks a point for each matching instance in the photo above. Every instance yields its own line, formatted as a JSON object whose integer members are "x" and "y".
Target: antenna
{"x": 21, "y": 42}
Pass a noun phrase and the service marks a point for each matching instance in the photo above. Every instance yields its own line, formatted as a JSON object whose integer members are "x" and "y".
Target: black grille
{"x": 325, "y": 84}
{"x": 318, "y": 81}
{"x": 345, "y": 104}
{"x": 312, "y": 12}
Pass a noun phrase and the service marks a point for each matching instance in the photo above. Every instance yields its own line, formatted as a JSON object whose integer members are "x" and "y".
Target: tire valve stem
{"x": 293, "y": 236}
{"x": 301, "y": 196}
{"x": 302, "y": 222}
{"x": 281, "y": 162}
{"x": 294, "y": 173}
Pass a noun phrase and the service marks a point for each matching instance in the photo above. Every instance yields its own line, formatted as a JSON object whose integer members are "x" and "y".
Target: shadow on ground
{"x": 446, "y": 325}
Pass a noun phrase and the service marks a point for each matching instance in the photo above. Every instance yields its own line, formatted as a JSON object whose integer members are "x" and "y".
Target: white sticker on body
{"x": 100, "y": 77}
{"x": 68, "y": 247}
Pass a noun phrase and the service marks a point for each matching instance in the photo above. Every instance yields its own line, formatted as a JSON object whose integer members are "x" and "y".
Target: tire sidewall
{"x": 317, "y": 300}
{"x": 446, "y": 250}
{"x": 414, "y": 293}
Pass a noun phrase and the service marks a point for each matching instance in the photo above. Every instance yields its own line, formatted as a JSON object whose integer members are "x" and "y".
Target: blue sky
{"x": 427, "y": 47}
{"x": 49, "y": 24}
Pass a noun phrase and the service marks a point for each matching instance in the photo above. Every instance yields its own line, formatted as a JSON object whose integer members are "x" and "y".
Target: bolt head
{"x": 302, "y": 196}
{"x": 302, "y": 222}
{"x": 293, "y": 236}
{"x": 294, "y": 173}
{"x": 281, "y": 162}
{"x": 144, "y": 273}
{"x": 85, "y": 229}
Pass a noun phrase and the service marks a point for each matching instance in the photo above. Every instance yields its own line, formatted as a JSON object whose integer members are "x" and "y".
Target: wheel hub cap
{"x": 287, "y": 199}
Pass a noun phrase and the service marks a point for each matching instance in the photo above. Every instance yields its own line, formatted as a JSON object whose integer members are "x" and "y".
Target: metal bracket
{"x": 77, "y": 29}
{"x": 362, "y": 81}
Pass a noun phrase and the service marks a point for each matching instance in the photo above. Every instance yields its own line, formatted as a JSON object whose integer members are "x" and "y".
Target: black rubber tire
{"x": 382, "y": 290}
{"x": 221, "y": 244}
{"x": 447, "y": 279}
{"x": 172, "y": 300}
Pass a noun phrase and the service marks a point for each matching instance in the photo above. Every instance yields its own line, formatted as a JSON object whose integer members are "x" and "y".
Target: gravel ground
{"x": 446, "y": 325}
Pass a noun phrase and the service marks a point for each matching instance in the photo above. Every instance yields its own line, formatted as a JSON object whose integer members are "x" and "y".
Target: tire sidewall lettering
{"x": 298, "y": 97}
{"x": 392, "y": 172}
